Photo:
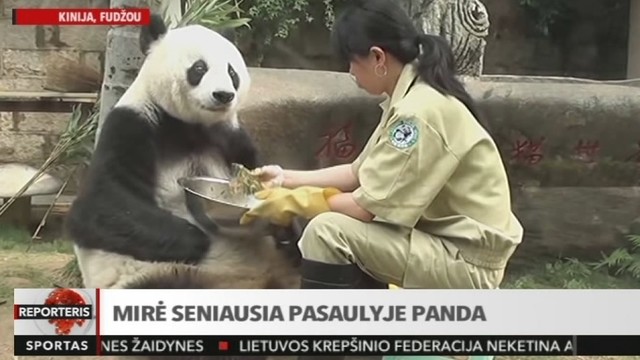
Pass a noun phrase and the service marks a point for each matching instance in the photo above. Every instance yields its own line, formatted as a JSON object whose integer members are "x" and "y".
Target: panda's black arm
{"x": 116, "y": 209}
{"x": 245, "y": 151}
{"x": 236, "y": 145}
{"x": 135, "y": 229}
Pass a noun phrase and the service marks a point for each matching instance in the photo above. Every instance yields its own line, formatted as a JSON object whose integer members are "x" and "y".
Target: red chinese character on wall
{"x": 636, "y": 156}
{"x": 587, "y": 149}
{"x": 528, "y": 151}
{"x": 337, "y": 144}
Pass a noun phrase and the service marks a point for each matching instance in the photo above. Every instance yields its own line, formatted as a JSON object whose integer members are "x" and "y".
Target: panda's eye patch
{"x": 196, "y": 72}
{"x": 234, "y": 77}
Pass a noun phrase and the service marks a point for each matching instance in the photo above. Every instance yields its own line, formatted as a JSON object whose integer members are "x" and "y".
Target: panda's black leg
{"x": 287, "y": 239}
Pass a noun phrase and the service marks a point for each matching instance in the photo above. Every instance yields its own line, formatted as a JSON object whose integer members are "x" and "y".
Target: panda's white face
{"x": 196, "y": 74}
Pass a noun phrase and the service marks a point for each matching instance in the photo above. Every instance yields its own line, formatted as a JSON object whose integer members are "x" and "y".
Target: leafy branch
{"x": 624, "y": 261}
{"x": 74, "y": 145}
{"x": 273, "y": 19}
{"x": 212, "y": 14}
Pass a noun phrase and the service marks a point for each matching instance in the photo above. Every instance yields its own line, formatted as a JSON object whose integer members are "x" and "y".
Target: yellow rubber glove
{"x": 280, "y": 205}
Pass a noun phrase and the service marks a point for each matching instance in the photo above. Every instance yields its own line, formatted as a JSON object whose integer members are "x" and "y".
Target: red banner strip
{"x": 81, "y": 16}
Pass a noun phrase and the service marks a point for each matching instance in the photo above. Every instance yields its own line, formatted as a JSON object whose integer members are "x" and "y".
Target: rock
{"x": 464, "y": 23}
{"x": 579, "y": 222}
{"x": 559, "y": 134}
{"x": 303, "y": 112}
{"x": 14, "y": 176}
{"x": 576, "y": 193}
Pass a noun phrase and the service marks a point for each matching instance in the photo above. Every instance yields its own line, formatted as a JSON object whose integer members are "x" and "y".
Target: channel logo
{"x": 55, "y": 312}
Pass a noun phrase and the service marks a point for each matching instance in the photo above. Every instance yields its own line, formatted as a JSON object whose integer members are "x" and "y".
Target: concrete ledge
{"x": 556, "y": 80}
{"x": 558, "y": 134}
{"x": 296, "y": 116}
{"x": 575, "y": 221}
{"x": 550, "y": 134}
{"x": 572, "y": 148}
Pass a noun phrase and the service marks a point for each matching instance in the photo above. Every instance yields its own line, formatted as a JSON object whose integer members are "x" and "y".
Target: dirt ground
{"x": 38, "y": 269}
{"x": 20, "y": 269}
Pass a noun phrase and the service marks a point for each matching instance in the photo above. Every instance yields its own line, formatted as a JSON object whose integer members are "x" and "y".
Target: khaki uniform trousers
{"x": 394, "y": 255}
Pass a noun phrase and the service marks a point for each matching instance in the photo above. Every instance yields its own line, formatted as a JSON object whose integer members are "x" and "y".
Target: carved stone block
{"x": 464, "y": 23}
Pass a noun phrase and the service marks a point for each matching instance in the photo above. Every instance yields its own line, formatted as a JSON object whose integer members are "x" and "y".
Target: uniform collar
{"x": 407, "y": 76}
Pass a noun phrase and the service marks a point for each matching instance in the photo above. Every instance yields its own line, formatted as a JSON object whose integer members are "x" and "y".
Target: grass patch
{"x": 27, "y": 263}
{"x": 566, "y": 274}
{"x": 70, "y": 275}
{"x": 22, "y": 276}
{"x": 618, "y": 270}
{"x": 15, "y": 239}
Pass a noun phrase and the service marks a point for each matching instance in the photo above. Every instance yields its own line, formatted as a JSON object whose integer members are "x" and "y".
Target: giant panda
{"x": 129, "y": 223}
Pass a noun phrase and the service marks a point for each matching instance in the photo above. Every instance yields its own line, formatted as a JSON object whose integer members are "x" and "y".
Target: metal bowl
{"x": 213, "y": 205}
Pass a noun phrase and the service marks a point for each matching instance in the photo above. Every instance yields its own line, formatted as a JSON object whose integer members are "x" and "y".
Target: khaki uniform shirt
{"x": 430, "y": 165}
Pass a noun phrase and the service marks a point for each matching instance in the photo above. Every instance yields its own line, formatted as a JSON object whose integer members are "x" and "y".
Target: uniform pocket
{"x": 385, "y": 173}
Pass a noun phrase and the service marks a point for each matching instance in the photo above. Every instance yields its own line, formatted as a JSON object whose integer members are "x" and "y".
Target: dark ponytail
{"x": 437, "y": 67}
{"x": 383, "y": 23}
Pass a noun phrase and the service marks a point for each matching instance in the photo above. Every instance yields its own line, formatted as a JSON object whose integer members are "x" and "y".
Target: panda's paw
{"x": 195, "y": 245}
{"x": 184, "y": 244}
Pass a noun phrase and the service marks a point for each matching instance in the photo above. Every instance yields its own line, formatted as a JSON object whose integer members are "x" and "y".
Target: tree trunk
{"x": 464, "y": 23}
{"x": 123, "y": 58}
{"x": 633, "y": 64}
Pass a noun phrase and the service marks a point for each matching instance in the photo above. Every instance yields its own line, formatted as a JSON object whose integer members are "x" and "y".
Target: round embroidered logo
{"x": 404, "y": 134}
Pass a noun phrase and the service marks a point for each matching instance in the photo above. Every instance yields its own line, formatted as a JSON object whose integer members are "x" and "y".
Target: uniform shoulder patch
{"x": 404, "y": 133}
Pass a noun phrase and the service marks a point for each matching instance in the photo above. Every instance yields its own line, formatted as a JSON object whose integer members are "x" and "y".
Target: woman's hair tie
{"x": 419, "y": 42}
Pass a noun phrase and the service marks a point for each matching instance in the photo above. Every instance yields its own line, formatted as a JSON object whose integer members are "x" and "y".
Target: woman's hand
{"x": 339, "y": 176}
{"x": 270, "y": 175}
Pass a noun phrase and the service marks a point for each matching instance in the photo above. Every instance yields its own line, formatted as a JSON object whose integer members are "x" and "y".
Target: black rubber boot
{"x": 318, "y": 275}
{"x": 367, "y": 282}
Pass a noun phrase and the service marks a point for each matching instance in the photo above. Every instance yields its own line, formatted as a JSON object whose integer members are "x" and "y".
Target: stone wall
{"x": 24, "y": 50}
{"x": 511, "y": 48}
{"x": 29, "y": 137}
{"x": 572, "y": 150}
{"x": 592, "y": 44}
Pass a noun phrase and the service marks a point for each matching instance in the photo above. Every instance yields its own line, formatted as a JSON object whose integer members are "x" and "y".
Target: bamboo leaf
{"x": 213, "y": 14}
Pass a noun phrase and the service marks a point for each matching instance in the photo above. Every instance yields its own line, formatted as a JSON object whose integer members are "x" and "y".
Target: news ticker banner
{"x": 80, "y": 16}
{"x": 326, "y": 322}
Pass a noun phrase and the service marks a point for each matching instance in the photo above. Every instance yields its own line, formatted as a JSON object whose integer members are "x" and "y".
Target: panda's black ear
{"x": 228, "y": 33}
{"x": 152, "y": 32}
